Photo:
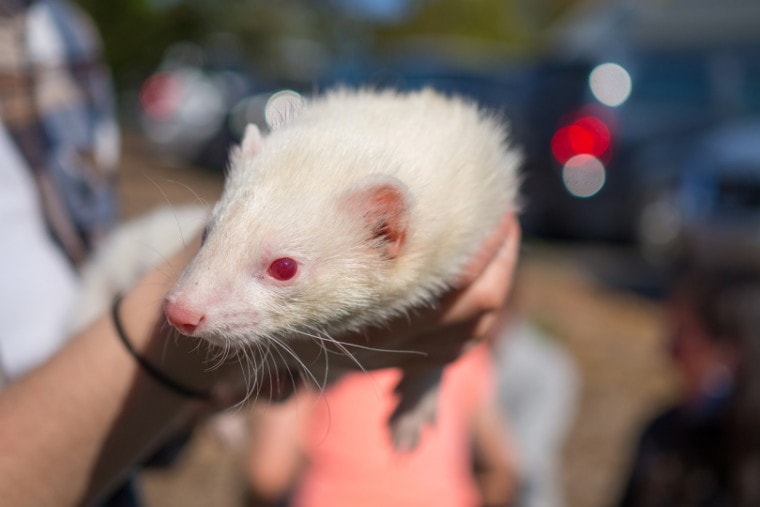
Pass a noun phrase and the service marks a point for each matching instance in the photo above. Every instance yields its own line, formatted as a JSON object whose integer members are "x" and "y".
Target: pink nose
{"x": 185, "y": 319}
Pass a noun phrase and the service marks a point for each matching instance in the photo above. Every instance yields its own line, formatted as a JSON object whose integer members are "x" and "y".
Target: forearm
{"x": 497, "y": 470}
{"x": 72, "y": 427}
{"x": 275, "y": 456}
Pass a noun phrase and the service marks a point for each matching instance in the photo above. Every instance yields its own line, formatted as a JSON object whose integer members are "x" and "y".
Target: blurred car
{"x": 627, "y": 125}
{"x": 501, "y": 89}
{"x": 184, "y": 104}
{"x": 718, "y": 198}
{"x": 629, "y": 87}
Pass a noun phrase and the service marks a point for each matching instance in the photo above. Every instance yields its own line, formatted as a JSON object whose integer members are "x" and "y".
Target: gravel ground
{"x": 614, "y": 336}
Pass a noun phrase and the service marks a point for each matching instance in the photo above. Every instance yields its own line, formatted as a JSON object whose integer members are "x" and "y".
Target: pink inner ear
{"x": 385, "y": 211}
{"x": 252, "y": 141}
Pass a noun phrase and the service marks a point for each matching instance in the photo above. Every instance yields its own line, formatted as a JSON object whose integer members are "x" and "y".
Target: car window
{"x": 671, "y": 81}
{"x": 751, "y": 87}
{"x": 670, "y": 93}
{"x": 738, "y": 192}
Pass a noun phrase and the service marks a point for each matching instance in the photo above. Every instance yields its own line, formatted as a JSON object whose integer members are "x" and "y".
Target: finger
{"x": 489, "y": 249}
{"x": 488, "y": 292}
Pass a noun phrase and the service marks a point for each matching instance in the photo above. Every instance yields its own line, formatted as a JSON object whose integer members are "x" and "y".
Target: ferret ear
{"x": 383, "y": 203}
{"x": 282, "y": 107}
{"x": 249, "y": 146}
{"x": 252, "y": 140}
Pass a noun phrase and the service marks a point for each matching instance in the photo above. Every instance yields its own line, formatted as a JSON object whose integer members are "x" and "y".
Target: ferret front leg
{"x": 417, "y": 406}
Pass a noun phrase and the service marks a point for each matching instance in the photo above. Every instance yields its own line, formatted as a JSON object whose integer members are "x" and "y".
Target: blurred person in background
{"x": 334, "y": 448}
{"x": 537, "y": 388}
{"x": 705, "y": 449}
{"x": 59, "y": 147}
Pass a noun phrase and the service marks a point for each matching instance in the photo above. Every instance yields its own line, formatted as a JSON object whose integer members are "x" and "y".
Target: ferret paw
{"x": 406, "y": 427}
{"x": 417, "y": 407}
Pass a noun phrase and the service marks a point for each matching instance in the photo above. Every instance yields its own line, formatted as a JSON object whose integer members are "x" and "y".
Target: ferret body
{"x": 132, "y": 248}
{"x": 360, "y": 207}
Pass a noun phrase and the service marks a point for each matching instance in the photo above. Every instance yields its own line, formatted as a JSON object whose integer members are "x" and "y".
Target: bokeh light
{"x": 160, "y": 95}
{"x": 583, "y": 175}
{"x": 585, "y": 136}
{"x": 610, "y": 83}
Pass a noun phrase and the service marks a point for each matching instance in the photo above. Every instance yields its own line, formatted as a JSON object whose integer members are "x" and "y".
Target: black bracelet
{"x": 149, "y": 368}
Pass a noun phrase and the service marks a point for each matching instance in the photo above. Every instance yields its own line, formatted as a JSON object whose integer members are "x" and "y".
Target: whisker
{"x": 283, "y": 346}
{"x": 323, "y": 338}
{"x": 368, "y": 348}
{"x": 329, "y": 339}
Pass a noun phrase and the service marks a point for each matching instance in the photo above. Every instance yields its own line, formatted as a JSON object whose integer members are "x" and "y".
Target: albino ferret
{"x": 357, "y": 207}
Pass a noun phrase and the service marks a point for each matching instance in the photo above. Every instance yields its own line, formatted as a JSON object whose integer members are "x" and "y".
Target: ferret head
{"x": 288, "y": 253}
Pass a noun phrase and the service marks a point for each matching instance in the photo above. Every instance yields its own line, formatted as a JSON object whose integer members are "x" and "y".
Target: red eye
{"x": 283, "y": 268}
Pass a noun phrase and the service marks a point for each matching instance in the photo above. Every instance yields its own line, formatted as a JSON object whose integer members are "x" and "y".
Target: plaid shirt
{"x": 56, "y": 102}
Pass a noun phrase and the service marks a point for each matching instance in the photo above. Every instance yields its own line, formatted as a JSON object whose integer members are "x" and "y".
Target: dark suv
{"x": 596, "y": 168}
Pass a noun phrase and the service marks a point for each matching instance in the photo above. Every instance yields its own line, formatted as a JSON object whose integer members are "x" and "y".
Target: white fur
{"x": 135, "y": 246}
{"x": 286, "y": 196}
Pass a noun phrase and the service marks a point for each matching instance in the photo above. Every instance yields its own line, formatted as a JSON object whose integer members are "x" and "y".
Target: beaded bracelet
{"x": 156, "y": 374}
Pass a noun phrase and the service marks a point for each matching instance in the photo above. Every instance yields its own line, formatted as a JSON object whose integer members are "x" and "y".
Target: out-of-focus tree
{"x": 296, "y": 37}
{"x": 135, "y": 32}
{"x": 477, "y": 28}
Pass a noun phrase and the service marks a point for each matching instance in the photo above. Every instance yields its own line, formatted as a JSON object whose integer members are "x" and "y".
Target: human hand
{"x": 436, "y": 336}
{"x": 432, "y": 336}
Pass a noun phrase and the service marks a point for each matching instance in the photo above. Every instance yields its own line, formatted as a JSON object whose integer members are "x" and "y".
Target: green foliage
{"x": 505, "y": 27}
{"x": 136, "y": 33}
{"x": 135, "y": 36}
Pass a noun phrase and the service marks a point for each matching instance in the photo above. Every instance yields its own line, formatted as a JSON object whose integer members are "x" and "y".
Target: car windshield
{"x": 670, "y": 93}
{"x": 750, "y": 91}
{"x": 673, "y": 81}
{"x": 737, "y": 192}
